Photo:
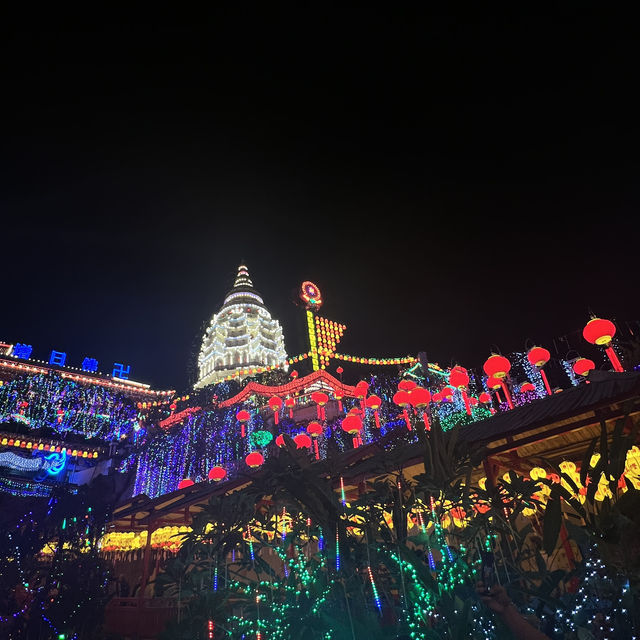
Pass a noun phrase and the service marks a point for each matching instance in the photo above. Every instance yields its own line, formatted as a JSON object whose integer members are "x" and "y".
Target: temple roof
{"x": 243, "y": 290}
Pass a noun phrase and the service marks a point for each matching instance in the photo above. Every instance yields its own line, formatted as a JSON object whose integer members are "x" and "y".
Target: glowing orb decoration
{"x": 310, "y": 295}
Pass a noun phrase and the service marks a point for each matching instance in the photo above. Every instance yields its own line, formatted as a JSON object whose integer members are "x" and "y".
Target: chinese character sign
{"x": 22, "y": 350}
{"x": 58, "y": 358}
{"x": 89, "y": 364}
{"x": 119, "y": 371}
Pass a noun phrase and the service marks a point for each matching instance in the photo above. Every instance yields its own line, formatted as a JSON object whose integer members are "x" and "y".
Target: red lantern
{"x": 538, "y": 357}
{"x": 353, "y": 425}
{"x": 374, "y": 402}
{"x": 406, "y": 385}
{"x": 420, "y": 399}
{"x": 280, "y": 440}
{"x": 446, "y": 393}
{"x": 339, "y": 371}
{"x": 217, "y": 473}
{"x": 473, "y": 401}
{"x": 320, "y": 398}
{"x": 582, "y": 366}
{"x": 401, "y": 398}
{"x": 187, "y": 482}
{"x": 459, "y": 378}
{"x": 303, "y": 441}
{"x": 497, "y": 366}
{"x": 289, "y": 403}
{"x": 254, "y": 459}
{"x": 276, "y": 404}
{"x": 243, "y": 416}
{"x": 436, "y": 397}
{"x": 294, "y": 374}
{"x": 314, "y": 429}
{"x": 361, "y": 393}
{"x": 601, "y": 332}
{"x": 527, "y": 386}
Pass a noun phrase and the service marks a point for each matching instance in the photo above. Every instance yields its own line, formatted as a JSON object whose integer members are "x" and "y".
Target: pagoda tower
{"x": 242, "y": 335}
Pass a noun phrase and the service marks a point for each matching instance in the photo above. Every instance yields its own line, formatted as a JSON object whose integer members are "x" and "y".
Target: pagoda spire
{"x": 243, "y": 279}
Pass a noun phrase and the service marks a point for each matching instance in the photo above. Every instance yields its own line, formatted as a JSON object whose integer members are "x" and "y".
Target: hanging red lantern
{"x": 527, "y": 386}
{"x": 254, "y": 459}
{"x": 601, "y": 332}
{"x": 294, "y": 374}
{"x": 446, "y": 393}
{"x": 484, "y": 397}
{"x": 338, "y": 396}
{"x": 582, "y": 366}
{"x": 217, "y": 473}
{"x": 339, "y": 371}
{"x": 353, "y": 425}
{"x": 320, "y": 398}
{"x": 436, "y": 397}
{"x": 314, "y": 429}
{"x": 538, "y": 357}
{"x": 406, "y": 385}
{"x": 276, "y": 404}
{"x": 374, "y": 402}
{"x": 303, "y": 441}
{"x": 280, "y": 440}
{"x": 289, "y": 403}
{"x": 420, "y": 399}
{"x": 361, "y": 392}
{"x": 187, "y": 482}
{"x": 497, "y": 366}
{"x": 459, "y": 378}
{"x": 242, "y": 417}
{"x": 401, "y": 398}
{"x": 473, "y": 401}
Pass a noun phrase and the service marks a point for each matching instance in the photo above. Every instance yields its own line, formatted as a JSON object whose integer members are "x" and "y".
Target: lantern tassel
{"x": 546, "y": 382}
{"x": 614, "y": 359}
{"x": 340, "y": 406}
{"x": 425, "y": 419}
{"x": 406, "y": 419}
{"x": 375, "y": 414}
{"x": 291, "y": 413}
{"x": 319, "y": 412}
{"x": 315, "y": 443}
{"x": 242, "y": 432}
{"x": 355, "y": 442}
{"x": 275, "y": 417}
{"x": 466, "y": 402}
{"x": 506, "y": 394}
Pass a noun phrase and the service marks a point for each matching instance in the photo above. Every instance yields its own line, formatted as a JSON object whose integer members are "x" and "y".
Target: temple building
{"x": 242, "y": 335}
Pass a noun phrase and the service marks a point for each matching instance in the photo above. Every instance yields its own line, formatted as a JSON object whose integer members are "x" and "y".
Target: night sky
{"x": 453, "y": 183}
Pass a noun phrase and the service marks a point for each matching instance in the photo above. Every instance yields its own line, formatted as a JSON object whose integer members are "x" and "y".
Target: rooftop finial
{"x": 243, "y": 279}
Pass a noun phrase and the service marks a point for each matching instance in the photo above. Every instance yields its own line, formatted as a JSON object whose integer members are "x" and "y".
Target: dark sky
{"x": 453, "y": 183}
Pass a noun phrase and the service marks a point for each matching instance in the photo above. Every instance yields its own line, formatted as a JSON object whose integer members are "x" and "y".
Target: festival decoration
{"x": 280, "y": 441}
{"x": 303, "y": 441}
{"x": 314, "y": 429}
{"x": 217, "y": 474}
{"x": 420, "y": 399}
{"x": 254, "y": 459}
{"x": 459, "y": 378}
{"x": 401, "y": 398}
{"x": 186, "y": 482}
{"x": 361, "y": 393}
{"x": 600, "y": 332}
{"x": 353, "y": 426}
{"x": 320, "y": 398}
{"x": 497, "y": 366}
{"x": 275, "y": 403}
{"x": 538, "y": 357}
{"x": 243, "y": 416}
{"x": 406, "y": 385}
{"x": 582, "y": 366}
{"x": 527, "y": 386}
{"x": 374, "y": 403}
{"x": 289, "y": 403}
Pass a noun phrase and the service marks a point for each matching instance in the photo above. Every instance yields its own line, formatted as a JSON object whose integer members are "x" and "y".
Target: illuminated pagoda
{"x": 242, "y": 335}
